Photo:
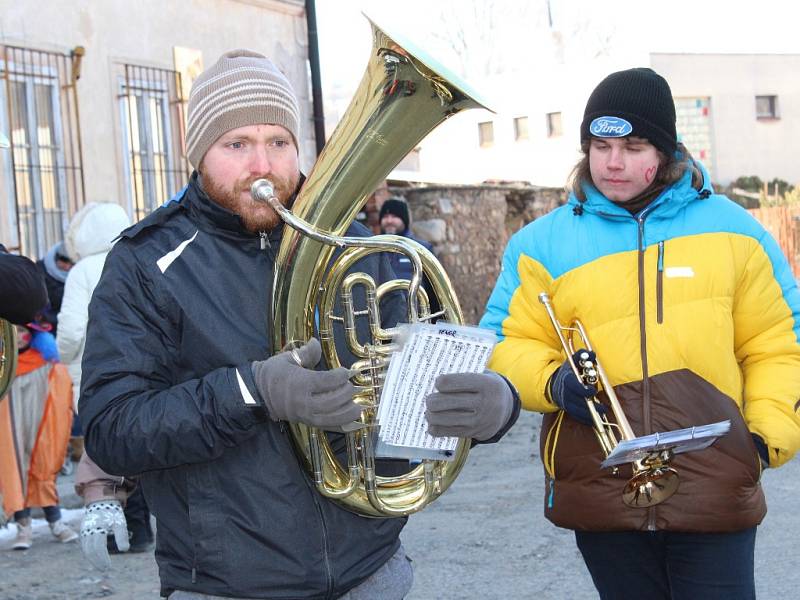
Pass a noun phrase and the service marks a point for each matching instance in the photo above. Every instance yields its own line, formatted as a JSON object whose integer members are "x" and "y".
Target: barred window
{"x": 43, "y": 170}
{"x": 152, "y": 124}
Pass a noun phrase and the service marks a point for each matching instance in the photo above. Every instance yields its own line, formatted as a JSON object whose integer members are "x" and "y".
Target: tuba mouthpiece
{"x": 262, "y": 190}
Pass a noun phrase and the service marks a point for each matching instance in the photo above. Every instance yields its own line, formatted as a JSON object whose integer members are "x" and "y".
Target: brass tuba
{"x": 403, "y": 95}
{"x": 653, "y": 479}
{"x": 8, "y": 355}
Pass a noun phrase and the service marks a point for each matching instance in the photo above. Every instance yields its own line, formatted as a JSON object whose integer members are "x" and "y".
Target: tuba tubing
{"x": 8, "y": 355}
{"x": 403, "y": 95}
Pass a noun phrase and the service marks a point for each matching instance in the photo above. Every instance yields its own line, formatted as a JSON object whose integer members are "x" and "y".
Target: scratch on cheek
{"x": 650, "y": 173}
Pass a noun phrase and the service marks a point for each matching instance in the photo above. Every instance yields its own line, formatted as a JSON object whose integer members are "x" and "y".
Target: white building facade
{"x": 94, "y": 93}
{"x": 739, "y": 114}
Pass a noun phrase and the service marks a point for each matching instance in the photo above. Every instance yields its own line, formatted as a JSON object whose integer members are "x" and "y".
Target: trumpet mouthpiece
{"x": 262, "y": 190}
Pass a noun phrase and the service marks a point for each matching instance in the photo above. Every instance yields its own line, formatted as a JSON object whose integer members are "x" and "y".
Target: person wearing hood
{"x": 54, "y": 268}
{"x": 694, "y": 314}
{"x": 91, "y": 234}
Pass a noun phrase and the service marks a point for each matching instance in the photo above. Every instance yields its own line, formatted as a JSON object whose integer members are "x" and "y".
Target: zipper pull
{"x": 264, "y": 240}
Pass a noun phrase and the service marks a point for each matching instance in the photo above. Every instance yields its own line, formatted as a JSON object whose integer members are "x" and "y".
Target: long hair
{"x": 670, "y": 170}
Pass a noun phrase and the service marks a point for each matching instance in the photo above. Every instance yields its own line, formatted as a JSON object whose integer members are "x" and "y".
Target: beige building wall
{"x": 145, "y": 33}
{"x": 743, "y": 144}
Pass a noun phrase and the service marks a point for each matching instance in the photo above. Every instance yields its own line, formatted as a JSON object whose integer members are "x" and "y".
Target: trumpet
{"x": 653, "y": 481}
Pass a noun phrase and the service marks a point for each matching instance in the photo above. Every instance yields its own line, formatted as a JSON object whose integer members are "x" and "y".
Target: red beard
{"x": 256, "y": 215}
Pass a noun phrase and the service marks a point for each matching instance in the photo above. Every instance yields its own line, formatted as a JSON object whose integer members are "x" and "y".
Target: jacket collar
{"x": 671, "y": 200}
{"x": 219, "y": 220}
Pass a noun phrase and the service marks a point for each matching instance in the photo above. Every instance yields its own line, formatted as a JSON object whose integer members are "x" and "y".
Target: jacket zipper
{"x": 640, "y": 218}
{"x": 264, "y": 240}
{"x": 324, "y": 528}
{"x": 646, "y": 416}
{"x": 660, "y": 285}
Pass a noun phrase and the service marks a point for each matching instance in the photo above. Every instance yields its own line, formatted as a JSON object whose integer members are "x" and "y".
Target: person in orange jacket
{"x": 35, "y": 420}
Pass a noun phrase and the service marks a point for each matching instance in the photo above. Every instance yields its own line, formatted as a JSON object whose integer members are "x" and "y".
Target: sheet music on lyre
{"x": 677, "y": 441}
{"x": 428, "y": 350}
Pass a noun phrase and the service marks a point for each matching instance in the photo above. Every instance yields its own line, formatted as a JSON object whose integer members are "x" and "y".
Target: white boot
{"x": 63, "y": 532}
{"x": 24, "y": 537}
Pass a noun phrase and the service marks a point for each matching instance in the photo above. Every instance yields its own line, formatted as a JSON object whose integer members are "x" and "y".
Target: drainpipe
{"x": 316, "y": 82}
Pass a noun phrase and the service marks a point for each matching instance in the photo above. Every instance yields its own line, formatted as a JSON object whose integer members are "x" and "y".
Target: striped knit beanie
{"x": 242, "y": 88}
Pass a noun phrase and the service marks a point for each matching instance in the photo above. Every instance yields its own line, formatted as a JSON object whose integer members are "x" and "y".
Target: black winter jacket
{"x": 178, "y": 316}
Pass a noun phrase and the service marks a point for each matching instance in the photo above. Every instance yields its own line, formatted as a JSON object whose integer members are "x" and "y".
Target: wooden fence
{"x": 783, "y": 222}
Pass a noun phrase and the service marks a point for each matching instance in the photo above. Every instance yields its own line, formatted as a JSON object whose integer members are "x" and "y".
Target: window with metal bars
{"x": 42, "y": 172}
{"x": 151, "y": 110}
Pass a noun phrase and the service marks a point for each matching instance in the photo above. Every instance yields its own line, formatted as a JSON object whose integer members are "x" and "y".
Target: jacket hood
{"x": 669, "y": 202}
{"x": 94, "y": 228}
{"x": 50, "y": 264}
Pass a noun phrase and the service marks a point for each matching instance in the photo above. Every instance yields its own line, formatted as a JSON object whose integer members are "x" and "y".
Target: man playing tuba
{"x": 178, "y": 386}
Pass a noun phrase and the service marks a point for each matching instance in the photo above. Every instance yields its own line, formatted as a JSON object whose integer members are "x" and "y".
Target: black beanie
{"x": 638, "y": 102}
{"x": 396, "y": 207}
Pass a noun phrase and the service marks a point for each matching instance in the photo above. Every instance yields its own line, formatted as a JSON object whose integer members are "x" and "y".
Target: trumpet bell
{"x": 650, "y": 487}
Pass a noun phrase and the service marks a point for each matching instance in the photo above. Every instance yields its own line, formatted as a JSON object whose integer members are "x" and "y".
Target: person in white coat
{"x": 89, "y": 237}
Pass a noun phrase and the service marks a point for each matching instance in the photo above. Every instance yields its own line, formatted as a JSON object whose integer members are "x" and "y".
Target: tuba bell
{"x": 653, "y": 479}
{"x": 8, "y": 355}
{"x": 403, "y": 95}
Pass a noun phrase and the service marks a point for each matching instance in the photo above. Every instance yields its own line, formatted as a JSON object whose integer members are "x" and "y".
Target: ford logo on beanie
{"x": 635, "y": 102}
{"x": 610, "y": 127}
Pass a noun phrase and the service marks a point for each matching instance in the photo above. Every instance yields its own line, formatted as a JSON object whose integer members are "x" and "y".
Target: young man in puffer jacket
{"x": 694, "y": 315}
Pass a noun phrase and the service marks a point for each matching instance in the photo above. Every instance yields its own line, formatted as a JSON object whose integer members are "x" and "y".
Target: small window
{"x": 486, "y": 134}
{"x": 521, "y": 128}
{"x": 767, "y": 107}
{"x": 554, "y": 124}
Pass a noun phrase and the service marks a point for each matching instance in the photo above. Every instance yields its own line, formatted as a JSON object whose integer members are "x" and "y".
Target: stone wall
{"x": 469, "y": 228}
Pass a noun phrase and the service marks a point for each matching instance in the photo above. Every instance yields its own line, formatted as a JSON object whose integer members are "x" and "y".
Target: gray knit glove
{"x": 295, "y": 392}
{"x": 102, "y": 519}
{"x": 469, "y": 405}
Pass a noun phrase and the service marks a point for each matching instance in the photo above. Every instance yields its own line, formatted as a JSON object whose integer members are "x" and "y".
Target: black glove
{"x": 569, "y": 394}
{"x": 763, "y": 449}
{"x": 469, "y": 405}
{"x": 293, "y": 391}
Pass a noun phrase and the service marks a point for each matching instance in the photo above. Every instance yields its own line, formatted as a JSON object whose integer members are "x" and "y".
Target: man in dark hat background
{"x": 395, "y": 218}
{"x": 694, "y": 315}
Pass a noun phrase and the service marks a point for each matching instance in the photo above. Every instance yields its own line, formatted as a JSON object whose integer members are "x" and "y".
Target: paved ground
{"x": 484, "y": 539}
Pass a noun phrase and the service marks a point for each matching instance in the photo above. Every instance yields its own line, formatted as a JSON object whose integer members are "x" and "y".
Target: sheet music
{"x": 679, "y": 440}
{"x": 427, "y": 352}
